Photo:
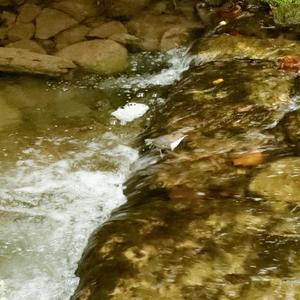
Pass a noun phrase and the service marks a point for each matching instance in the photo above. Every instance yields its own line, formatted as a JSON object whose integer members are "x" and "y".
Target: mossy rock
{"x": 286, "y": 12}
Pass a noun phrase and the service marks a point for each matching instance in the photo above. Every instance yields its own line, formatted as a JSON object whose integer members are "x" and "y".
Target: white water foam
{"x": 178, "y": 61}
{"x": 130, "y": 112}
{"x": 48, "y": 211}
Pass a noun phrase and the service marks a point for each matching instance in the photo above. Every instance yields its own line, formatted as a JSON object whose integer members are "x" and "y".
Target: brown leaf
{"x": 290, "y": 63}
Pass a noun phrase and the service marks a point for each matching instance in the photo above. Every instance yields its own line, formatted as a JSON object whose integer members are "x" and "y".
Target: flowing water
{"x": 64, "y": 158}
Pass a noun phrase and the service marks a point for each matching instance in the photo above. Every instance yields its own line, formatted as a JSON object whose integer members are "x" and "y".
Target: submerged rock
{"x": 228, "y": 47}
{"x": 279, "y": 183}
{"x": 100, "y": 56}
{"x": 10, "y": 116}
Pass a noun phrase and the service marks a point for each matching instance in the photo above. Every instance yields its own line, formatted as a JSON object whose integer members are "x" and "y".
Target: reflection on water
{"x": 64, "y": 158}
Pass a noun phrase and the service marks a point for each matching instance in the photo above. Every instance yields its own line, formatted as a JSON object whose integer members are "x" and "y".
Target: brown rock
{"x": 48, "y": 45}
{"x": 51, "y": 21}
{"x": 150, "y": 36}
{"x": 100, "y": 56}
{"x": 9, "y": 18}
{"x": 174, "y": 38}
{"x": 21, "y": 31}
{"x": 28, "y": 13}
{"x": 123, "y": 8}
{"x": 5, "y": 2}
{"x": 3, "y": 33}
{"x": 124, "y": 38}
{"x": 78, "y": 9}
{"x": 71, "y": 36}
{"x": 10, "y": 2}
{"x": 94, "y": 22}
{"x": 24, "y": 61}
{"x": 107, "y": 29}
{"x": 30, "y": 45}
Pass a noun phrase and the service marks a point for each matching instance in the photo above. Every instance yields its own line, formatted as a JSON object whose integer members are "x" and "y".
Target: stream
{"x": 64, "y": 158}
{"x": 178, "y": 179}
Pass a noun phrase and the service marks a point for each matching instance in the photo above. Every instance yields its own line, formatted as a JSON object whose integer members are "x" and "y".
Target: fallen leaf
{"x": 245, "y": 108}
{"x": 290, "y": 63}
{"x": 218, "y": 81}
{"x": 249, "y": 160}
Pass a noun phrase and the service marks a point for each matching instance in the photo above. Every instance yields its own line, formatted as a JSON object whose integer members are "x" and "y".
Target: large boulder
{"x": 51, "y": 21}
{"x": 100, "y": 56}
{"x": 24, "y": 61}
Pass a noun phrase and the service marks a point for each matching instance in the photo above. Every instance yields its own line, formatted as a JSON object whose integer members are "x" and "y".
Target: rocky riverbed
{"x": 212, "y": 208}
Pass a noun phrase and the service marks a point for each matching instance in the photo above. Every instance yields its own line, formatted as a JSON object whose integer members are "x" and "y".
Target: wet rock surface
{"x": 207, "y": 217}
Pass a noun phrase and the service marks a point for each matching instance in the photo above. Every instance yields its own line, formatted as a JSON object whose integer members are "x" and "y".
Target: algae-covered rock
{"x": 176, "y": 238}
{"x": 227, "y": 47}
{"x": 285, "y": 12}
{"x": 279, "y": 183}
{"x": 100, "y": 56}
{"x": 9, "y": 115}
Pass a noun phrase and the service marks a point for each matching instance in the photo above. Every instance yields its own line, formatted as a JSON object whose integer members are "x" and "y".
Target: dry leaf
{"x": 290, "y": 63}
{"x": 249, "y": 160}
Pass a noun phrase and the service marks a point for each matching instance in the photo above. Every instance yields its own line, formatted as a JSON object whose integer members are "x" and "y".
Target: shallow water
{"x": 64, "y": 159}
